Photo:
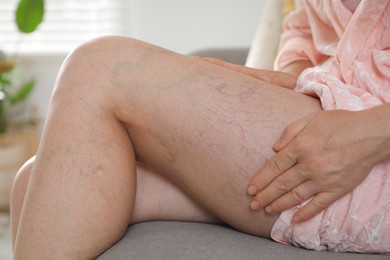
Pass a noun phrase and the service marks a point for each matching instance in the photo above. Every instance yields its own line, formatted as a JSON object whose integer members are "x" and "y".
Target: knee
{"x": 20, "y": 183}
{"x": 97, "y": 67}
{"x": 105, "y": 54}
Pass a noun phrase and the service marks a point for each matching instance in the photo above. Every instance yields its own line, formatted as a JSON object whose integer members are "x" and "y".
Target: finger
{"x": 320, "y": 202}
{"x": 280, "y": 186}
{"x": 226, "y": 64}
{"x": 275, "y": 166}
{"x": 294, "y": 197}
{"x": 239, "y": 68}
{"x": 197, "y": 57}
{"x": 279, "y": 78}
{"x": 217, "y": 61}
{"x": 214, "y": 61}
{"x": 292, "y": 131}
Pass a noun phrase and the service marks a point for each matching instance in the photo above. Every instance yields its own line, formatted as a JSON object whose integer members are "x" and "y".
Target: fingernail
{"x": 252, "y": 190}
{"x": 269, "y": 210}
{"x": 197, "y": 57}
{"x": 277, "y": 144}
{"x": 255, "y": 204}
{"x": 296, "y": 219}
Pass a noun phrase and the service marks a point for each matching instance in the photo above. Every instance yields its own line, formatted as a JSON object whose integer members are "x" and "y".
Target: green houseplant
{"x": 9, "y": 93}
{"x": 16, "y": 144}
{"x": 29, "y": 14}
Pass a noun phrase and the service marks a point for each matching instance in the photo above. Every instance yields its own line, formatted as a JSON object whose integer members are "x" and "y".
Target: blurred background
{"x": 183, "y": 26}
{"x": 29, "y": 62}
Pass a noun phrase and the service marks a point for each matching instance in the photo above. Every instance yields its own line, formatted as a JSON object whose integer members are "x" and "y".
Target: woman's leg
{"x": 117, "y": 100}
{"x": 157, "y": 198}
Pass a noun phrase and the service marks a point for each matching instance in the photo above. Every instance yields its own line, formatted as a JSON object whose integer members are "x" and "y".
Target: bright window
{"x": 67, "y": 23}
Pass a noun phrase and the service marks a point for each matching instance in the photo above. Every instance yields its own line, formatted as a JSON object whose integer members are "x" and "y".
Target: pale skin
{"x": 119, "y": 103}
{"x": 200, "y": 131}
{"x": 322, "y": 156}
{"x": 325, "y": 156}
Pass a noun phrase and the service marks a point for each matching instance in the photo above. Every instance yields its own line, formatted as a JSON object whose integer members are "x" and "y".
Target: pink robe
{"x": 351, "y": 54}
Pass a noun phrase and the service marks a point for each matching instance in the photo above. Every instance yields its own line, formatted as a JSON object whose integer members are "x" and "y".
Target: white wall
{"x": 180, "y": 25}
{"x": 187, "y": 25}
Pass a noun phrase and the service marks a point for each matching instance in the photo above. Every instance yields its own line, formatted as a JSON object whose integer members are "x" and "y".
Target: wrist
{"x": 379, "y": 118}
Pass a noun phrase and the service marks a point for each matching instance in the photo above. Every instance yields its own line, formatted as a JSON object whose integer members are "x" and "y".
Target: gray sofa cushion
{"x": 184, "y": 240}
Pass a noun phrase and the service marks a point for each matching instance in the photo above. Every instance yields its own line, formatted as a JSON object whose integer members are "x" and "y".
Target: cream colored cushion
{"x": 265, "y": 43}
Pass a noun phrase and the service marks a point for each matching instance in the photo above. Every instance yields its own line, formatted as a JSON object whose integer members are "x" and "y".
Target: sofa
{"x": 167, "y": 240}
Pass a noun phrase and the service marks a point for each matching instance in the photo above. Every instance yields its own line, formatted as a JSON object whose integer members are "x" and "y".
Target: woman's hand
{"x": 279, "y": 78}
{"x": 325, "y": 156}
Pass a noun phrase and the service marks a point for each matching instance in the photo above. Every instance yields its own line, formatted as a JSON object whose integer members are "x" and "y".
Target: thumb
{"x": 292, "y": 131}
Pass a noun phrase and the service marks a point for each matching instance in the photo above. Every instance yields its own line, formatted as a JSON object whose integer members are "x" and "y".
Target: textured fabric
{"x": 351, "y": 52}
{"x": 183, "y": 240}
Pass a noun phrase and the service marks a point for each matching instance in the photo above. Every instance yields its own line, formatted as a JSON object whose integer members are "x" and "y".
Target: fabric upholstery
{"x": 184, "y": 240}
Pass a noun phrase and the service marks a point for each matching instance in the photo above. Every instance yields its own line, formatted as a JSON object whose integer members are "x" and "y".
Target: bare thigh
{"x": 206, "y": 128}
{"x": 156, "y": 198}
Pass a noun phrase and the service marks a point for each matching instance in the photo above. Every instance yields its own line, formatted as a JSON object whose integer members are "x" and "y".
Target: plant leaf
{"x": 4, "y": 82}
{"x": 22, "y": 93}
{"x": 29, "y": 14}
